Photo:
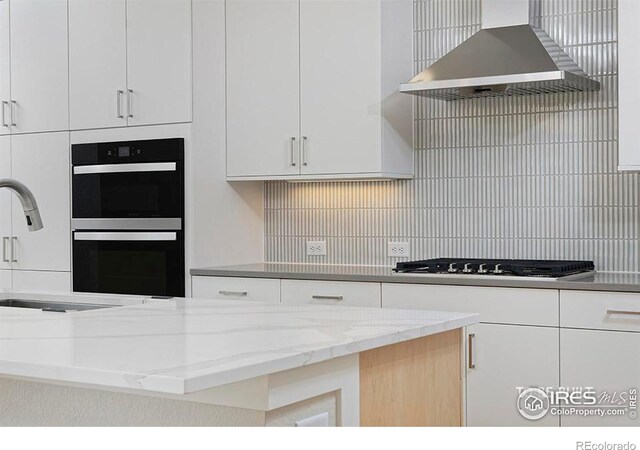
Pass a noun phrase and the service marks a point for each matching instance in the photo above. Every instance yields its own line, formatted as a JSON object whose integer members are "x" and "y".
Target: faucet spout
{"x": 28, "y": 201}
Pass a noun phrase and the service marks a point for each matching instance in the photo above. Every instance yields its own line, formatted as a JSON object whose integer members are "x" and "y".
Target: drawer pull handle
{"x": 624, "y": 313}
{"x": 234, "y": 293}
{"x": 327, "y": 297}
{"x": 472, "y": 363}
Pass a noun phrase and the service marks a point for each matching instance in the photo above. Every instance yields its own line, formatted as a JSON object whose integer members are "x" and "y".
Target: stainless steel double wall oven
{"x": 128, "y": 217}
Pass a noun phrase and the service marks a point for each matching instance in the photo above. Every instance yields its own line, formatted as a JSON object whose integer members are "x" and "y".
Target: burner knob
{"x": 498, "y": 270}
{"x": 467, "y": 269}
{"x": 452, "y": 268}
{"x": 482, "y": 268}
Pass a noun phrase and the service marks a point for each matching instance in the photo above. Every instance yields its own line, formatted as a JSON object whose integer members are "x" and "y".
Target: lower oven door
{"x": 140, "y": 262}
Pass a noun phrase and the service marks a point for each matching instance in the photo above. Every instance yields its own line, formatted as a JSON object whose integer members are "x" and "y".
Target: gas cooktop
{"x": 552, "y": 270}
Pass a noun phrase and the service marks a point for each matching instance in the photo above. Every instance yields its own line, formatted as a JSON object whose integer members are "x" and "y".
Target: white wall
{"x": 227, "y": 220}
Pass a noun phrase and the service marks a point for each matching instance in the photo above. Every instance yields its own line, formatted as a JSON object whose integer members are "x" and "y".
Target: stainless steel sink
{"x": 62, "y": 307}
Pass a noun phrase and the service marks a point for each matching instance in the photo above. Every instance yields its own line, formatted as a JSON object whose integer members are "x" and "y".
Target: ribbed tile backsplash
{"x": 521, "y": 177}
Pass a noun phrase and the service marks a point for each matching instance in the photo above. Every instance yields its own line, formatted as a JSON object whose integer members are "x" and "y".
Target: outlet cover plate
{"x": 316, "y": 248}
{"x": 398, "y": 249}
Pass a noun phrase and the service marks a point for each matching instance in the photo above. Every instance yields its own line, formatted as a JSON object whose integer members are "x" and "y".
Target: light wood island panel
{"x": 413, "y": 383}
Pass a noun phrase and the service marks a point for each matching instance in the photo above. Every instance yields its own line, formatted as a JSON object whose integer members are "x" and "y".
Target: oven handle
{"x": 137, "y": 236}
{"x": 123, "y": 168}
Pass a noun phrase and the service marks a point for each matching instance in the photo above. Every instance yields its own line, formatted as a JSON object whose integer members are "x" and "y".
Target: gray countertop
{"x": 602, "y": 281}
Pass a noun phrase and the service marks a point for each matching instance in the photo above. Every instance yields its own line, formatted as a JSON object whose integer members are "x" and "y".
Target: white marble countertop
{"x": 183, "y": 345}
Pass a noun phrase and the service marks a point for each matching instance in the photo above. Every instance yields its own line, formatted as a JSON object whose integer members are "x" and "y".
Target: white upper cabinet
{"x": 39, "y": 65}
{"x": 97, "y": 63}
{"x": 330, "y": 68}
{"x": 48, "y": 179}
{"x": 263, "y": 84}
{"x": 159, "y": 61}
{"x": 340, "y": 75}
{"x": 5, "y": 68}
{"x": 628, "y": 74}
{"x": 130, "y": 62}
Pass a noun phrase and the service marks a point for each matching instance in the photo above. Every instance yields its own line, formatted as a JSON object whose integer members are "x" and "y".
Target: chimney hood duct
{"x": 507, "y": 57}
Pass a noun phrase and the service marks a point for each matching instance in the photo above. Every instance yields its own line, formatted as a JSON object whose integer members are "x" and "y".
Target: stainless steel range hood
{"x": 509, "y": 56}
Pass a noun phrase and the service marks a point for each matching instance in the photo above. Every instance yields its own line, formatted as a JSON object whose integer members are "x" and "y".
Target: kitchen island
{"x": 214, "y": 362}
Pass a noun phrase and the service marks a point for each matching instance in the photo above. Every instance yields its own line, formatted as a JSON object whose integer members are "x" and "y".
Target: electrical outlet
{"x": 316, "y": 248}
{"x": 398, "y": 249}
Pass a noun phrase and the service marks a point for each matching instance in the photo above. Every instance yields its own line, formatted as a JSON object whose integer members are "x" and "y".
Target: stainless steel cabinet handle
{"x": 622, "y": 312}
{"x": 327, "y": 297}
{"x": 292, "y": 149}
{"x": 14, "y": 113}
{"x": 5, "y": 241}
{"x": 304, "y": 150}
{"x": 119, "y": 94}
{"x": 14, "y": 253}
{"x": 234, "y": 293}
{"x": 5, "y": 104}
{"x": 125, "y": 168}
{"x": 472, "y": 363}
{"x": 122, "y": 236}
{"x": 130, "y": 102}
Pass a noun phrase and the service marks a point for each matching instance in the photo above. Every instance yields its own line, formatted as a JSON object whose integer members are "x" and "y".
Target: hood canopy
{"x": 502, "y": 61}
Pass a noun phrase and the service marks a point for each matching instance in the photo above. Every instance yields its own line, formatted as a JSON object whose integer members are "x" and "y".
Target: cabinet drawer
{"x": 495, "y": 305}
{"x": 298, "y": 292}
{"x": 619, "y": 311}
{"x": 27, "y": 280}
{"x": 230, "y": 288}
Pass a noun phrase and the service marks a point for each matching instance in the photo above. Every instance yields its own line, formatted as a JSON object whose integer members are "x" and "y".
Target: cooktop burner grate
{"x": 513, "y": 267}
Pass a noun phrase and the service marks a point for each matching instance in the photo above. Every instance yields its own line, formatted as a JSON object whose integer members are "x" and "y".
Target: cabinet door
{"x": 97, "y": 63}
{"x": 340, "y": 109}
{"x": 39, "y": 65}
{"x": 506, "y": 357}
{"x": 159, "y": 61}
{"x": 628, "y": 73}
{"x": 605, "y": 360}
{"x": 5, "y": 202}
{"x": 48, "y": 179}
{"x": 5, "y": 69}
{"x": 5, "y": 279}
{"x": 262, "y": 87}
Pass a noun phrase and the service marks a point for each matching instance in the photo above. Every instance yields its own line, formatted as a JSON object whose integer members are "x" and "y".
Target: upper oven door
{"x": 128, "y": 181}
{"x": 134, "y": 190}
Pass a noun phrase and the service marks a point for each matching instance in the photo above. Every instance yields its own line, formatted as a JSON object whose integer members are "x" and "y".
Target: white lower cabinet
{"x": 230, "y": 288}
{"x": 300, "y": 292}
{"x": 495, "y": 305}
{"x": 28, "y": 280}
{"x": 612, "y": 311}
{"x": 5, "y": 279}
{"x": 508, "y": 353}
{"x": 501, "y": 358}
{"x": 605, "y": 360}
{"x": 5, "y": 203}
